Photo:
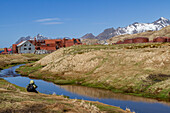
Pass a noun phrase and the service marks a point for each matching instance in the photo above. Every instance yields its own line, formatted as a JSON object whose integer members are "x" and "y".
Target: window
{"x": 25, "y": 44}
{"x": 25, "y": 48}
{"x": 29, "y": 48}
{"x": 48, "y": 44}
{"x": 30, "y": 44}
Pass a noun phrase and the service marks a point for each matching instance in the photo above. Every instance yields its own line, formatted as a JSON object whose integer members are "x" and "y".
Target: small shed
{"x": 26, "y": 47}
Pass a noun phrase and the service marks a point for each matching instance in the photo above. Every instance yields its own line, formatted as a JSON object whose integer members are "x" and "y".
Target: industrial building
{"x": 30, "y": 46}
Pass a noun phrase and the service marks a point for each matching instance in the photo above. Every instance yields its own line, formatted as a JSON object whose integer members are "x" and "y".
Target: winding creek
{"x": 137, "y": 104}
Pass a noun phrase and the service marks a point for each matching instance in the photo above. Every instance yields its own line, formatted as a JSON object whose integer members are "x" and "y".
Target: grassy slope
{"x": 10, "y": 60}
{"x": 16, "y": 99}
{"x": 138, "y": 69}
{"x": 165, "y": 32}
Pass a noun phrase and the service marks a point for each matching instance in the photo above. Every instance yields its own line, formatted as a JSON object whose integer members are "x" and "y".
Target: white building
{"x": 26, "y": 47}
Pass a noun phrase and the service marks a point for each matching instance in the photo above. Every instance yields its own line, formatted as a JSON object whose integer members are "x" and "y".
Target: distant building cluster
{"x": 143, "y": 40}
{"x": 50, "y": 45}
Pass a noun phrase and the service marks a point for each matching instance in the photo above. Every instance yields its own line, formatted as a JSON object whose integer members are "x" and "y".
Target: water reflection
{"x": 106, "y": 94}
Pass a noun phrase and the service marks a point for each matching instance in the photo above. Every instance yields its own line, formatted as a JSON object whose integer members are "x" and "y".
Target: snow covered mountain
{"x": 134, "y": 28}
{"x": 142, "y": 27}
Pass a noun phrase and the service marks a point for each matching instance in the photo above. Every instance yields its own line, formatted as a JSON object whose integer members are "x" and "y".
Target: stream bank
{"x": 14, "y": 98}
{"x": 137, "y": 104}
{"x": 34, "y": 71}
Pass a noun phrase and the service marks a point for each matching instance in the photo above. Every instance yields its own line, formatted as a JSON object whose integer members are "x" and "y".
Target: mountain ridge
{"x": 134, "y": 28}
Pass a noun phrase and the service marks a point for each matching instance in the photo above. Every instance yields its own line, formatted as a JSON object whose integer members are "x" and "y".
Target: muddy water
{"x": 137, "y": 104}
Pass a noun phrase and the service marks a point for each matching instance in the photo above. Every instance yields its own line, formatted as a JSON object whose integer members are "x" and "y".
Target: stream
{"x": 137, "y": 104}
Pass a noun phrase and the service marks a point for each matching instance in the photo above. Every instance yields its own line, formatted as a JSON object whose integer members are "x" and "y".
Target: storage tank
{"x": 140, "y": 40}
{"x": 128, "y": 41}
{"x": 160, "y": 39}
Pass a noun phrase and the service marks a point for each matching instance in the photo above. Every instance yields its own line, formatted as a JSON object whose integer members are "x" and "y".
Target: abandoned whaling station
{"x": 43, "y": 46}
{"x": 49, "y": 45}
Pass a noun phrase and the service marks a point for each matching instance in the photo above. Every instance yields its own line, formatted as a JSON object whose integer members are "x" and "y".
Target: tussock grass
{"x": 139, "y": 69}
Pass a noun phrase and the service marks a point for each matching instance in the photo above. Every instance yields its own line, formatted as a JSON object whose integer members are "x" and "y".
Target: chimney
{"x": 35, "y": 41}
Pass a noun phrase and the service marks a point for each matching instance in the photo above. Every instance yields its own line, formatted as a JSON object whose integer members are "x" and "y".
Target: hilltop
{"x": 140, "y": 69}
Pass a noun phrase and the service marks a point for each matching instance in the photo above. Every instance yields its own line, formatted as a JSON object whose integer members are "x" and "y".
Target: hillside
{"x": 141, "y": 69}
{"x": 165, "y": 32}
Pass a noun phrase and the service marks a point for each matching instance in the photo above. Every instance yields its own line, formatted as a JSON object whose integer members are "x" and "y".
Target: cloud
{"x": 52, "y": 23}
{"x": 47, "y": 19}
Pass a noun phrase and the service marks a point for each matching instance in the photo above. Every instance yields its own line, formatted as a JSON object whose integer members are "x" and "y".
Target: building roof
{"x": 23, "y": 42}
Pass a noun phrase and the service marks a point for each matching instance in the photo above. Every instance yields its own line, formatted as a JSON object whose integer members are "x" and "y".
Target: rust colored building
{"x": 140, "y": 40}
{"x": 50, "y": 44}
